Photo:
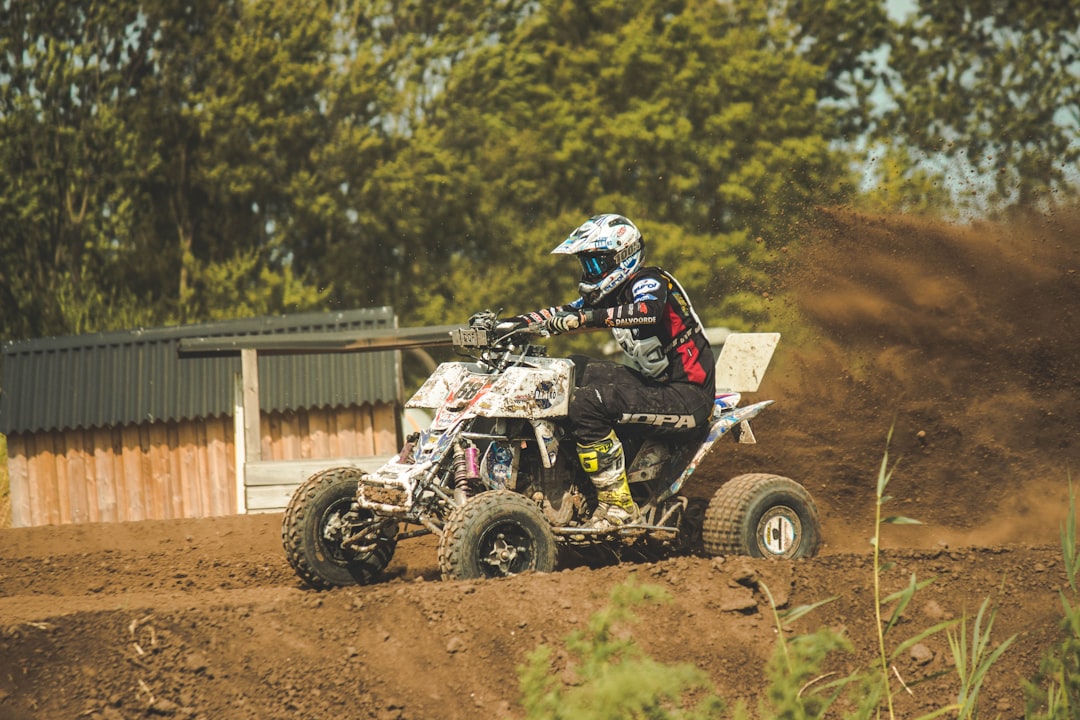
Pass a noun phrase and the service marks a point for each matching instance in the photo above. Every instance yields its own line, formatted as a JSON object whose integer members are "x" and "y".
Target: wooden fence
{"x": 175, "y": 469}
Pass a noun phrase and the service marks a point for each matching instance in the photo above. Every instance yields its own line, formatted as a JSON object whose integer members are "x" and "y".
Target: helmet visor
{"x": 595, "y": 266}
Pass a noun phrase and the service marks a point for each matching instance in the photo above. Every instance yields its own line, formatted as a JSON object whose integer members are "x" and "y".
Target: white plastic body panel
{"x": 743, "y": 361}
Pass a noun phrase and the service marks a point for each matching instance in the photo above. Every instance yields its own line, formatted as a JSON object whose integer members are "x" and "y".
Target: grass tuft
{"x": 1054, "y": 692}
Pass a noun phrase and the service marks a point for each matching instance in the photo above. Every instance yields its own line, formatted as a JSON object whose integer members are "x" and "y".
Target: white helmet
{"x": 610, "y": 249}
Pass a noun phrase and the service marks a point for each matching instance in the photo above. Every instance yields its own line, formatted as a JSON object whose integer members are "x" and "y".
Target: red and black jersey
{"x": 653, "y": 321}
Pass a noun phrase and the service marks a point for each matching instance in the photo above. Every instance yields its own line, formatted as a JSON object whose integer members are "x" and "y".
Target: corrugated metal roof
{"x": 116, "y": 378}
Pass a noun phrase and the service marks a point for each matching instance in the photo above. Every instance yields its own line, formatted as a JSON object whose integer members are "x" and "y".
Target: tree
{"x": 150, "y": 155}
{"x": 66, "y": 152}
{"x": 401, "y": 209}
{"x": 165, "y": 161}
{"x": 697, "y": 119}
{"x": 232, "y": 120}
{"x": 993, "y": 84}
{"x": 982, "y": 96}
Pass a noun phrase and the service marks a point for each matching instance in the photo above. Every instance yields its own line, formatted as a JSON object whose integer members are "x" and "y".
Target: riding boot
{"x": 604, "y": 462}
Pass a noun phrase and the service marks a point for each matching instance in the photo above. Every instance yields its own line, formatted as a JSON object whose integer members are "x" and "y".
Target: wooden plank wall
{"x": 356, "y": 431}
{"x": 174, "y": 469}
{"x": 296, "y": 445}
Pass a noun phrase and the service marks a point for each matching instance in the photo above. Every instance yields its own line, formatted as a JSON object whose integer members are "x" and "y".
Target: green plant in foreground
{"x": 903, "y": 597}
{"x": 615, "y": 679}
{"x": 873, "y": 687}
{"x": 797, "y": 688}
{"x": 1054, "y": 692}
{"x": 972, "y": 662}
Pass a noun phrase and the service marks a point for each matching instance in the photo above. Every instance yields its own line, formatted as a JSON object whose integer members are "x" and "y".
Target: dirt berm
{"x": 963, "y": 340}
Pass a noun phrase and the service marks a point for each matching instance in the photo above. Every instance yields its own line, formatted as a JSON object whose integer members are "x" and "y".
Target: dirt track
{"x": 964, "y": 340}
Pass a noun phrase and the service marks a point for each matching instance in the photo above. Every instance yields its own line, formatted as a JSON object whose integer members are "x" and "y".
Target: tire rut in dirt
{"x": 762, "y": 515}
{"x": 496, "y": 534}
{"x": 324, "y": 499}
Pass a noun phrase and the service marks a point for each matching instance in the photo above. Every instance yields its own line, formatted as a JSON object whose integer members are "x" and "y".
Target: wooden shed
{"x": 119, "y": 426}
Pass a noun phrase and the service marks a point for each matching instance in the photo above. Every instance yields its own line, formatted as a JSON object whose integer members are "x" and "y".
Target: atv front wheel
{"x": 496, "y": 534}
{"x": 321, "y": 515}
{"x": 765, "y": 516}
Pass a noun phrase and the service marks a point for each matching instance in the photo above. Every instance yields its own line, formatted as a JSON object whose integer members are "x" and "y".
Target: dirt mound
{"x": 960, "y": 339}
{"x": 204, "y": 619}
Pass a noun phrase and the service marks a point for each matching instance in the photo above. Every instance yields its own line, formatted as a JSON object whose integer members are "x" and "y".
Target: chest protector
{"x": 646, "y": 355}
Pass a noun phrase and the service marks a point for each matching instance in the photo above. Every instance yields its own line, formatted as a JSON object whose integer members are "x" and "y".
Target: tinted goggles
{"x": 596, "y": 265}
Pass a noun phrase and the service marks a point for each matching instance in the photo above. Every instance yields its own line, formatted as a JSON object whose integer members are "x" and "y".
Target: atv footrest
{"x": 626, "y": 530}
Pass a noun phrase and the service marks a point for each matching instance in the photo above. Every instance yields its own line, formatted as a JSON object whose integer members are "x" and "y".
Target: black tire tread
{"x": 294, "y": 526}
{"x": 724, "y": 529}
{"x": 453, "y": 546}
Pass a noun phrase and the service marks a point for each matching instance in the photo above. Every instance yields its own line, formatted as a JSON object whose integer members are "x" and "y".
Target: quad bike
{"x": 496, "y": 477}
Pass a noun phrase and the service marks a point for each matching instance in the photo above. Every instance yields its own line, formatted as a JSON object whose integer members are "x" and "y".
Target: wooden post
{"x": 248, "y": 441}
{"x": 239, "y": 443}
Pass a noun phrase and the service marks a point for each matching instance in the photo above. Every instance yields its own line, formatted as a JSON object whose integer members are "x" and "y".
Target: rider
{"x": 667, "y": 379}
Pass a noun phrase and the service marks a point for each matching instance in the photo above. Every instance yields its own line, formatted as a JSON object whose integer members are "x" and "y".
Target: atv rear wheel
{"x": 496, "y": 534}
{"x": 760, "y": 515}
{"x": 321, "y": 514}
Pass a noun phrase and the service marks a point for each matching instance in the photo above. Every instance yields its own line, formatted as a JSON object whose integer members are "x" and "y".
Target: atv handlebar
{"x": 470, "y": 337}
{"x": 487, "y": 332}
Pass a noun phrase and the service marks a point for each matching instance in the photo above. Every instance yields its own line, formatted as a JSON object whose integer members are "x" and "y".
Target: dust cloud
{"x": 961, "y": 339}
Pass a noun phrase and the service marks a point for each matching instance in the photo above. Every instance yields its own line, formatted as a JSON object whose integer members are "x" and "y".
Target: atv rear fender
{"x": 738, "y": 417}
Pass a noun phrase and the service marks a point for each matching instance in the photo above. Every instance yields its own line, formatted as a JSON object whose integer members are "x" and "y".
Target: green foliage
{"x": 796, "y": 689}
{"x": 697, "y": 120}
{"x": 900, "y": 184}
{"x": 83, "y": 306}
{"x": 244, "y": 287}
{"x": 144, "y": 144}
{"x": 972, "y": 661}
{"x": 427, "y": 154}
{"x": 1069, "y": 548}
{"x": 608, "y": 676}
{"x": 801, "y": 657}
{"x": 884, "y": 476}
{"x": 614, "y": 678}
{"x": 1054, "y": 692}
{"x": 794, "y": 673}
{"x": 980, "y": 96}
{"x": 991, "y": 86}
{"x": 239, "y": 114}
{"x": 66, "y": 151}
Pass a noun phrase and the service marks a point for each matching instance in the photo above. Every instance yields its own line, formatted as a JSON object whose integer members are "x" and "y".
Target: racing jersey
{"x": 654, "y": 323}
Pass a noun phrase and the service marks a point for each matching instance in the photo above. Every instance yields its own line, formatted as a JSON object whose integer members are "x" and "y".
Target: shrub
{"x": 613, "y": 679}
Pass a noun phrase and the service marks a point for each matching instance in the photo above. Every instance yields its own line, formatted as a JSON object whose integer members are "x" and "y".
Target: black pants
{"x": 609, "y": 394}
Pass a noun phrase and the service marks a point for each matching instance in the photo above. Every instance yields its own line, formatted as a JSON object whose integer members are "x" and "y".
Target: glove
{"x": 563, "y": 322}
{"x": 534, "y": 321}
